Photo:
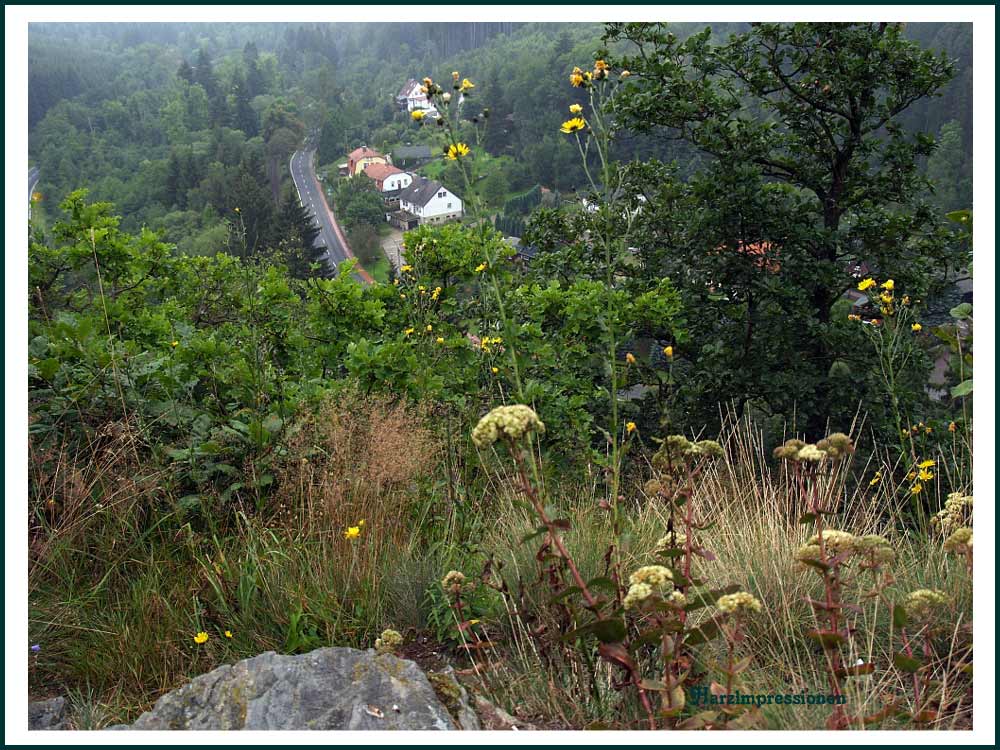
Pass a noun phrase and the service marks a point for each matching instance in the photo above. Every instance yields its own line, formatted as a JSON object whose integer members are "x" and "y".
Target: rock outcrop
{"x": 330, "y": 688}
{"x": 51, "y": 714}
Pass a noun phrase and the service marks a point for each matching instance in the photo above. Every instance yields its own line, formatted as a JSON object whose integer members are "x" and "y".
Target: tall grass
{"x": 120, "y": 580}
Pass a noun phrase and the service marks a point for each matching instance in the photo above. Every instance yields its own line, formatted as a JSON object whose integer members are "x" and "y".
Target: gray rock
{"x": 330, "y": 688}
{"x": 47, "y": 715}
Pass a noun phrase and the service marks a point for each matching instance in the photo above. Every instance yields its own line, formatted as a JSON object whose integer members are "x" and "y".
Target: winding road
{"x": 32, "y": 181}
{"x": 312, "y": 198}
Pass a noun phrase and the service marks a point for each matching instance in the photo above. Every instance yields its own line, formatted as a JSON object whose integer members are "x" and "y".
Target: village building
{"x": 425, "y": 202}
{"x": 389, "y": 181}
{"x": 361, "y": 157}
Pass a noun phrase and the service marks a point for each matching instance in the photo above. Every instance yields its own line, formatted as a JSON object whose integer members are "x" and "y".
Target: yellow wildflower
{"x": 228, "y": 634}
{"x": 454, "y": 75}
{"x": 408, "y": 331}
{"x": 467, "y": 85}
{"x": 952, "y": 427}
{"x": 630, "y": 358}
{"x": 237, "y": 209}
{"x": 201, "y": 637}
{"x": 925, "y": 475}
{"x": 866, "y": 284}
{"x": 575, "y": 109}
{"x": 457, "y": 151}
{"x": 854, "y": 317}
{"x": 440, "y": 340}
{"x": 494, "y": 370}
{"x": 926, "y": 463}
{"x": 916, "y": 327}
{"x": 173, "y": 343}
{"x": 352, "y": 532}
{"x": 626, "y": 73}
{"x": 875, "y": 479}
{"x": 406, "y": 268}
{"x": 480, "y": 268}
{"x": 417, "y": 115}
{"x": 885, "y": 297}
{"x": 889, "y": 285}
{"x": 573, "y": 125}
{"x": 669, "y": 352}
{"x": 601, "y": 65}
{"x": 630, "y": 427}
{"x": 436, "y": 293}
{"x": 429, "y": 328}
{"x": 916, "y": 489}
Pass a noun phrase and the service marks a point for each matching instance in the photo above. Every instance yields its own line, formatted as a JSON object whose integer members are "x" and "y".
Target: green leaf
{"x": 807, "y": 518}
{"x": 703, "y": 634}
{"x": 962, "y": 389}
{"x": 899, "y": 617}
{"x": 962, "y": 311}
{"x": 537, "y": 532}
{"x": 606, "y": 631}
{"x": 906, "y": 663}
{"x": 826, "y": 638}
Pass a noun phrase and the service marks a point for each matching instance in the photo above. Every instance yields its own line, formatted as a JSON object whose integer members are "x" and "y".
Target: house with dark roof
{"x": 426, "y": 202}
{"x": 411, "y": 156}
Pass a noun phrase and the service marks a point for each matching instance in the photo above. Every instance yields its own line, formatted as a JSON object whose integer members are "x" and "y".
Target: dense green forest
{"x": 710, "y": 423}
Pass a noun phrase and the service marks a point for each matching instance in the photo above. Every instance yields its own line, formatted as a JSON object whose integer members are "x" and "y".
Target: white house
{"x": 412, "y": 97}
{"x": 426, "y": 202}
{"x": 389, "y": 180}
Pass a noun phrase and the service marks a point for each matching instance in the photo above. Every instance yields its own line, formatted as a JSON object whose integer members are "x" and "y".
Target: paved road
{"x": 311, "y": 196}
{"x": 32, "y": 181}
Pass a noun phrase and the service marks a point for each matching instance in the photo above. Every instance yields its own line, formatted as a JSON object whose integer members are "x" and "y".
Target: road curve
{"x": 32, "y": 181}
{"x": 312, "y": 198}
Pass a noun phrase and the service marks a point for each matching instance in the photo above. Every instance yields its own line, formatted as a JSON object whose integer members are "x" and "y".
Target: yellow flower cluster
{"x": 874, "y": 550}
{"x": 959, "y": 542}
{"x": 488, "y": 342}
{"x": 956, "y": 513}
{"x": 739, "y": 603}
{"x": 456, "y": 151}
{"x": 835, "y": 446}
{"x": 652, "y": 575}
{"x": 922, "y": 604}
{"x": 512, "y": 422}
{"x": 388, "y": 641}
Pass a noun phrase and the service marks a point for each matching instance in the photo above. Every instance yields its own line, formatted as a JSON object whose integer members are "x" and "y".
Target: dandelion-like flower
{"x": 889, "y": 285}
{"x": 629, "y": 427}
{"x": 200, "y": 637}
{"x": 573, "y": 125}
{"x": 952, "y": 427}
{"x": 417, "y": 115}
{"x": 513, "y": 422}
{"x": 436, "y": 293}
{"x": 352, "y": 532}
{"x": 440, "y": 340}
{"x": 228, "y": 634}
{"x": 875, "y": 479}
{"x": 466, "y": 85}
{"x": 494, "y": 370}
{"x": 630, "y": 358}
{"x": 668, "y": 352}
{"x": 388, "y": 641}
{"x": 741, "y": 602}
{"x": 457, "y": 151}
{"x": 866, "y": 285}
{"x": 916, "y": 328}
{"x": 481, "y": 267}
{"x": 575, "y": 109}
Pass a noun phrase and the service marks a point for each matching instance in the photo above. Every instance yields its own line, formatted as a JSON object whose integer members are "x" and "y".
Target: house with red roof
{"x": 361, "y": 157}
{"x": 388, "y": 179}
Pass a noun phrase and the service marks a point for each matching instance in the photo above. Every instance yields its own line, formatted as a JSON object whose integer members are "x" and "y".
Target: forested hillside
{"x": 167, "y": 121}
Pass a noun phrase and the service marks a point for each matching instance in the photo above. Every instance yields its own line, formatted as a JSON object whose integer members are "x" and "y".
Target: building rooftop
{"x": 379, "y": 172}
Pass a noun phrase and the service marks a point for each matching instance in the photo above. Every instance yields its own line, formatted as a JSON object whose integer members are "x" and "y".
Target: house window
{"x": 441, "y": 194}
{"x": 449, "y": 205}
